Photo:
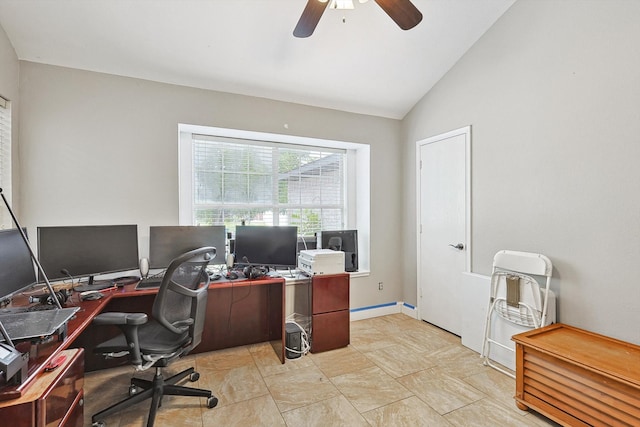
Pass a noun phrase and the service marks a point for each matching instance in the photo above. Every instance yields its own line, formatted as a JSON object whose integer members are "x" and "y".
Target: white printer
{"x": 321, "y": 261}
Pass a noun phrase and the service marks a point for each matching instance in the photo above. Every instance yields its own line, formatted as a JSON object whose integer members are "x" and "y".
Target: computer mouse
{"x": 232, "y": 275}
{"x": 214, "y": 276}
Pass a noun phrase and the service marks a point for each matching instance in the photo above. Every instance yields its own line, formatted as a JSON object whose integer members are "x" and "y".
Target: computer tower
{"x": 342, "y": 240}
{"x": 293, "y": 341}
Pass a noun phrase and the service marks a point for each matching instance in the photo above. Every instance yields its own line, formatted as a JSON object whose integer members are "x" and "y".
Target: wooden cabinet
{"x": 578, "y": 378}
{"x": 53, "y": 399}
{"x": 329, "y": 312}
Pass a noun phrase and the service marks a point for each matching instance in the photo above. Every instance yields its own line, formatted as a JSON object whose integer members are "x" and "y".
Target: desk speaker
{"x": 144, "y": 267}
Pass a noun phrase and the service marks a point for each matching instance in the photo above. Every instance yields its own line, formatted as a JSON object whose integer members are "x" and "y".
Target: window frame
{"x": 357, "y": 191}
{"x": 5, "y": 159}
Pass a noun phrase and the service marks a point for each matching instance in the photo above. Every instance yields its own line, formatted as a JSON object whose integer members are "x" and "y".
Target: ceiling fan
{"x": 403, "y": 13}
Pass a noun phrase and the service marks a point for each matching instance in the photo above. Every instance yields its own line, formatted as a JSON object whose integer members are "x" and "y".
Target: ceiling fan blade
{"x": 403, "y": 12}
{"x": 310, "y": 17}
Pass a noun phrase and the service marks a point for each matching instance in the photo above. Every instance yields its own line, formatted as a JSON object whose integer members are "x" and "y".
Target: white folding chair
{"x": 516, "y": 297}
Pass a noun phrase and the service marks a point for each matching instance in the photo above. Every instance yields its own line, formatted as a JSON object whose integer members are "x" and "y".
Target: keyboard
{"x": 150, "y": 282}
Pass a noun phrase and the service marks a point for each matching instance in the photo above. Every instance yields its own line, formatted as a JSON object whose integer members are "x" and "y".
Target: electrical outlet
{"x": 380, "y": 286}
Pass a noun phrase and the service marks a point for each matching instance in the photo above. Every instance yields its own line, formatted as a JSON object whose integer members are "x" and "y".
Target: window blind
{"x": 5, "y": 159}
{"x": 267, "y": 183}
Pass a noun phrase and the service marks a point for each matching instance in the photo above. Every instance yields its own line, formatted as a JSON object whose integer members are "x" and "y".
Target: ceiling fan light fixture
{"x": 402, "y": 12}
{"x": 341, "y": 4}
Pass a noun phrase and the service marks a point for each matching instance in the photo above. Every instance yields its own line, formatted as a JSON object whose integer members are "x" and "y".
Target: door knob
{"x": 459, "y": 246}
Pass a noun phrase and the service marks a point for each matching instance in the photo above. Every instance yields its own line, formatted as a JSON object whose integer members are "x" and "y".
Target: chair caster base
{"x": 212, "y": 402}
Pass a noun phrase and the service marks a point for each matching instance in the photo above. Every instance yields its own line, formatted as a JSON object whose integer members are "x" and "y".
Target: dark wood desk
{"x": 239, "y": 312}
{"x": 44, "y": 351}
{"x": 53, "y": 398}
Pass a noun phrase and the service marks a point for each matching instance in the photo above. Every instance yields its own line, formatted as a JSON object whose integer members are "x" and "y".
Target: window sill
{"x": 360, "y": 273}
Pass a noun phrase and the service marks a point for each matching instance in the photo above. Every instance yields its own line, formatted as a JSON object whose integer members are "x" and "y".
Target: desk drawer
{"x": 330, "y": 331}
{"x": 330, "y": 293}
{"x": 52, "y": 399}
{"x": 75, "y": 416}
{"x": 62, "y": 400}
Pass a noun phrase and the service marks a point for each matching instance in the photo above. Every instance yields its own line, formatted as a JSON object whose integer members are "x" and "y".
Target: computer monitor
{"x": 87, "y": 250}
{"x": 345, "y": 241}
{"x": 267, "y": 246}
{"x": 16, "y": 266}
{"x": 168, "y": 242}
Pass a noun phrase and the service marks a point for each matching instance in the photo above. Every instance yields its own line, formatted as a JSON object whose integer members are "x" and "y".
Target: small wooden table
{"x": 577, "y": 377}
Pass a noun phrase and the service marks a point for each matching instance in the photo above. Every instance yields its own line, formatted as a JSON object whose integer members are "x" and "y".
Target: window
{"x": 5, "y": 160}
{"x": 229, "y": 177}
{"x": 266, "y": 183}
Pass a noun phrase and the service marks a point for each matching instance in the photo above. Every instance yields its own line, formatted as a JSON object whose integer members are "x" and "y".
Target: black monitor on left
{"x": 87, "y": 251}
{"x": 16, "y": 266}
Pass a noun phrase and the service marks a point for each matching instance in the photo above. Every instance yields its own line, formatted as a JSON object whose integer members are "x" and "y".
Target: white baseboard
{"x": 383, "y": 310}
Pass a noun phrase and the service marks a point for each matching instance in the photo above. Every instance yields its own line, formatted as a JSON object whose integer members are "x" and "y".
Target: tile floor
{"x": 398, "y": 371}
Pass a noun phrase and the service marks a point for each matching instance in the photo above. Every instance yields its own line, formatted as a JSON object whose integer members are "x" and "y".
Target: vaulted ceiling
{"x": 356, "y": 60}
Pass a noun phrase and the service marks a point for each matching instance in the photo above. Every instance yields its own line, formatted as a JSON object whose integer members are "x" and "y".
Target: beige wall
{"x": 102, "y": 149}
{"x": 552, "y": 92}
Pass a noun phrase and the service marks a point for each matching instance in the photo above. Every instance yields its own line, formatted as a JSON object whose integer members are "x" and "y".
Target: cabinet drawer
{"x": 330, "y": 293}
{"x": 330, "y": 331}
{"x": 63, "y": 393}
{"x": 75, "y": 416}
{"x": 53, "y": 399}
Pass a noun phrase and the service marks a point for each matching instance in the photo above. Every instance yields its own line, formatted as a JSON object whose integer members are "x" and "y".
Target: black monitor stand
{"x": 94, "y": 285}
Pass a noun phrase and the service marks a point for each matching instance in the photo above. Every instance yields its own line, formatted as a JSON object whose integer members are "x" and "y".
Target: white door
{"x": 443, "y": 228}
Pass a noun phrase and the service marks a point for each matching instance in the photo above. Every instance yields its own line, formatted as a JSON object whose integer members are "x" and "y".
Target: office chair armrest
{"x": 128, "y": 323}
{"x": 117, "y": 318}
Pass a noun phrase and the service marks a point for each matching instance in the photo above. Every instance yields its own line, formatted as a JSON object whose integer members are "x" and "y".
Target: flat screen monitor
{"x": 16, "y": 266}
{"x": 268, "y": 246}
{"x": 345, "y": 241}
{"x": 87, "y": 250}
{"x": 168, "y": 242}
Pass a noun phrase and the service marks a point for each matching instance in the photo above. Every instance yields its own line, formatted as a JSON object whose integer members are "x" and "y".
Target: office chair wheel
{"x": 212, "y": 402}
{"x": 195, "y": 376}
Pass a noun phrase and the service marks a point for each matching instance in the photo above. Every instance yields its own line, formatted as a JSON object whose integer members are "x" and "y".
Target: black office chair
{"x": 173, "y": 331}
